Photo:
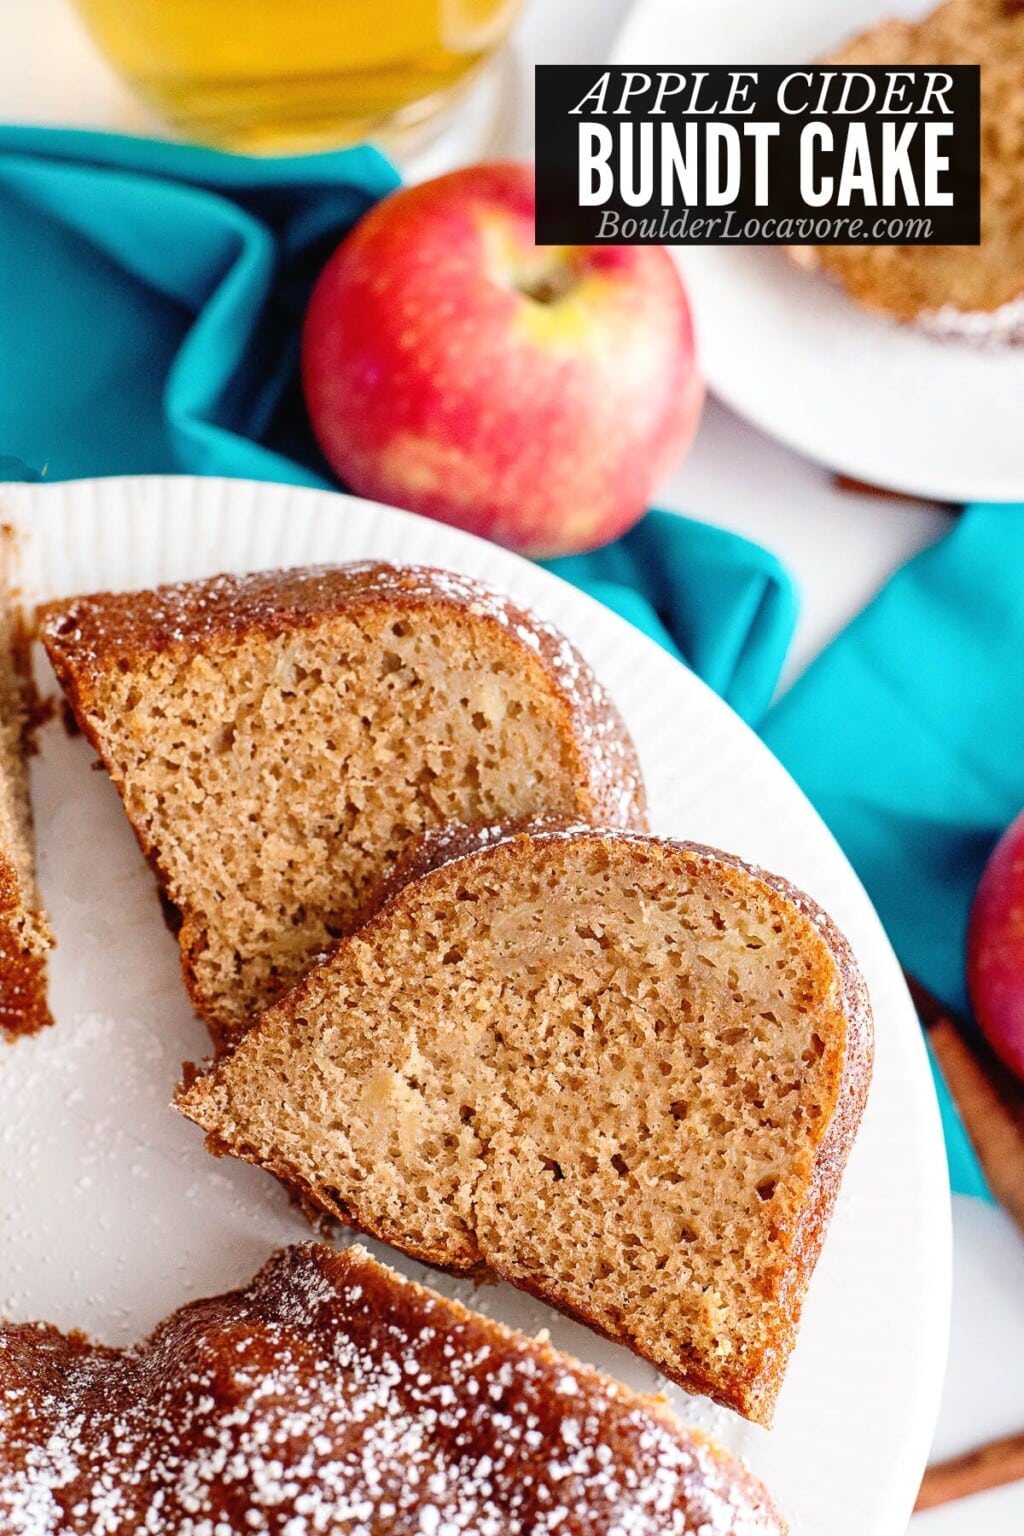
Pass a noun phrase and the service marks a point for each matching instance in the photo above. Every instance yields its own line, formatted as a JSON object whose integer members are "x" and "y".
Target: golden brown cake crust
{"x": 441, "y": 850}
{"x": 84, "y": 636}
{"x": 91, "y": 640}
{"x": 331, "y": 1396}
{"x": 23, "y": 1002}
{"x": 25, "y": 933}
{"x": 438, "y": 851}
{"x": 972, "y": 291}
{"x": 750, "y": 1386}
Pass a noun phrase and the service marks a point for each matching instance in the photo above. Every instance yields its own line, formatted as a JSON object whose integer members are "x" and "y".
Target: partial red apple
{"x": 995, "y": 949}
{"x": 534, "y": 395}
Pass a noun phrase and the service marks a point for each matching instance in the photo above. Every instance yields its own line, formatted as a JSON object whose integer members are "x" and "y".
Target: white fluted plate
{"x": 112, "y": 1213}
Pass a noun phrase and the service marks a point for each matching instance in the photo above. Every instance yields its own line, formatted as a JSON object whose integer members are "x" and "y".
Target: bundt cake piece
{"x": 279, "y": 739}
{"x": 24, "y": 931}
{"x": 972, "y": 291}
{"x": 620, "y": 1072}
{"x": 330, "y": 1397}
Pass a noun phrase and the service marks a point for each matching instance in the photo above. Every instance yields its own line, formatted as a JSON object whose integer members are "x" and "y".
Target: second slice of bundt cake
{"x": 621, "y": 1072}
{"x": 278, "y": 740}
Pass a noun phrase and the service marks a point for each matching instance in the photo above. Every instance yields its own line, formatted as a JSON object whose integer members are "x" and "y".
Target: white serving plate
{"x": 112, "y": 1213}
{"x": 790, "y": 351}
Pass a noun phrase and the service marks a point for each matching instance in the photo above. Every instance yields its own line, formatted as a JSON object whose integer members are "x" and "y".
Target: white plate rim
{"x": 74, "y": 517}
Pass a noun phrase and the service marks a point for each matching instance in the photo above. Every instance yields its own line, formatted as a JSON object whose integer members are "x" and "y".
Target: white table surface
{"x": 840, "y": 547}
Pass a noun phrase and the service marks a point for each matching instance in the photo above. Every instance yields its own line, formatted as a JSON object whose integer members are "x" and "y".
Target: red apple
{"x": 535, "y": 395}
{"x": 995, "y": 949}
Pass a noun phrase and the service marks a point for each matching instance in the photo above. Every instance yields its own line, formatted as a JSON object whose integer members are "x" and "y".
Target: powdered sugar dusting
{"x": 331, "y": 1396}
{"x": 984, "y": 327}
{"x": 603, "y": 740}
{"x": 189, "y": 613}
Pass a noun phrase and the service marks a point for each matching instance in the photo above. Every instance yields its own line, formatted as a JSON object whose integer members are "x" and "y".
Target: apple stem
{"x": 548, "y": 287}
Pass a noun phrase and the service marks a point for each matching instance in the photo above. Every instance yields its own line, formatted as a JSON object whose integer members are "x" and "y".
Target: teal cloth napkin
{"x": 150, "y": 301}
{"x": 908, "y": 736}
{"x": 150, "y": 296}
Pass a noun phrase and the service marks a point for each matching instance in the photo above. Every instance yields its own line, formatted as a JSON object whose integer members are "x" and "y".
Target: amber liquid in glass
{"x": 278, "y": 75}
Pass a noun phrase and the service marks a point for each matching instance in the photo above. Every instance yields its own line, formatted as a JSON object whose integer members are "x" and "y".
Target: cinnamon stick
{"x": 991, "y": 1105}
{"x": 863, "y": 488}
{"x": 990, "y": 1466}
{"x": 989, "y": 1098}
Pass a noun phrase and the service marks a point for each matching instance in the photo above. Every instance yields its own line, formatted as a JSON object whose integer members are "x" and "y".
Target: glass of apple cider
{"x": 277, "y": 76}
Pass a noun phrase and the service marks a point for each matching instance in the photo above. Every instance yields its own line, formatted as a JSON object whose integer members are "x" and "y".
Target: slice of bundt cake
{"x": 279, "y": 739}
{"x": 332, "y": 1396}
{"x": 973, "y": 291}
{"x": 24, "y": 931}
{"x": 622, "y": 1073}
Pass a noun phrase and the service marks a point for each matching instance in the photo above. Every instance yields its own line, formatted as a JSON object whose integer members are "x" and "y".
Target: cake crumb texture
{"x": 25, "y": 935}
{"x": 279, "y": 739}
{"x": 620, "y": 1072}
